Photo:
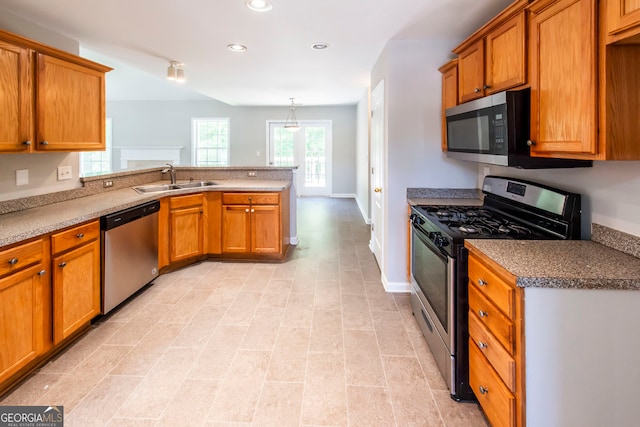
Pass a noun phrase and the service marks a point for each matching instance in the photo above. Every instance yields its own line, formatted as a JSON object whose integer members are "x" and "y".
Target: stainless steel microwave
{"x": 495, "y": 130}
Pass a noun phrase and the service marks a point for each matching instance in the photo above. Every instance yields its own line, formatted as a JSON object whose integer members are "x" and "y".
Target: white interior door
{"x": 377, "y": 173}
{"x": 309, "y": 149}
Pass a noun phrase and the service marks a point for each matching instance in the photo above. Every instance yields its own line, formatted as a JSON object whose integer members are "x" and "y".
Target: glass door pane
{"x": 315, "y": 157}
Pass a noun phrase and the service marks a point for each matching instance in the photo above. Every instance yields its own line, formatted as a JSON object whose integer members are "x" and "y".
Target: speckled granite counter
{"x": 578, "y": 264}
{"x": 28, "y": 223}
{"x": 444, "y": 196}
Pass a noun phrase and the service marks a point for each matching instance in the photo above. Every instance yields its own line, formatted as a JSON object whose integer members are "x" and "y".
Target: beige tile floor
{"x": 312, "y": 341}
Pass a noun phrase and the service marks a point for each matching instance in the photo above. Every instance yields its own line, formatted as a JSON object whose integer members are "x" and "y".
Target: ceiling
{"x": 138, "y": 38}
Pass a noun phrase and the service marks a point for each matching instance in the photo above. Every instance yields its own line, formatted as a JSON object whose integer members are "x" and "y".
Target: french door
{"x": 308, "y": 148}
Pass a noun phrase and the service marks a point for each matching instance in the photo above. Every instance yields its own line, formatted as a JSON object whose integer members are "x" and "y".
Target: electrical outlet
{"x": 252, "y": 173}
{"x": 107, "y": 184}
{"x": 64, "y": 172}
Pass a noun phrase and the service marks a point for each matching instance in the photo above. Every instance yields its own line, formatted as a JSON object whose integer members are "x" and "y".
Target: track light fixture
{"x": 176, "y": 71}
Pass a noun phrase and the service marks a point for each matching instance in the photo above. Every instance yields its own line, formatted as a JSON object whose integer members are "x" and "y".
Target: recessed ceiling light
{"x": 259, "y": 5}
{"x": 233, "y": 47}
{"x": 319, "y": 46}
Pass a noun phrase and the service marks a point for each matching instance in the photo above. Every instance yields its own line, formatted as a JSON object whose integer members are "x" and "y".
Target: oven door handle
{"x": 421, "y": 234}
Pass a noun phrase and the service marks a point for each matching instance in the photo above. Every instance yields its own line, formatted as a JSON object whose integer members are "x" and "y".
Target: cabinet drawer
{"x": 75, "y": 236}
{"x": 497, "y": 402}
{"x": 488, "y": 315}
{"x": 250, "y": 198}
{"x": 492, "y": 286}
{"x": 496, "y": 355}
{"x": 186, "y": 201}
{"x": 20, "y": 257}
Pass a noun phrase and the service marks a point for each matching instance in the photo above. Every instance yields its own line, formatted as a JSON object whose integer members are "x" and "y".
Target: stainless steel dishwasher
{"x": 129, "y": 252}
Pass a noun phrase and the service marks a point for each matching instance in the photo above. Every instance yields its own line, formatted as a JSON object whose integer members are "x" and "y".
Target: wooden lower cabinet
{"x": 253, "y": 225}
{"x": 496, "y": 341}
{"x": 76, "y": 279}
{"x": 186, "y": 227}
{"x": 25, "y": 309}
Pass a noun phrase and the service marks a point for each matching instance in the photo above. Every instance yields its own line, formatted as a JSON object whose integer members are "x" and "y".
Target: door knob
{"x": 378, "y": 190}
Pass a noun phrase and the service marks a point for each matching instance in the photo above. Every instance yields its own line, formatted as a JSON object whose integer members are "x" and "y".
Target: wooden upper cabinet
{"x": 16, "y": 99}
{"x": 449, "y": 93}
{"x": 471, "y": 72}
{"x": 493, "y": 58}
{"x": 563, "y": 76}
{"x": 50, "y": 100}
{"x": 505, "y": 55}
{"x": 623, "y": 18}
{"x": 70, "y": 106}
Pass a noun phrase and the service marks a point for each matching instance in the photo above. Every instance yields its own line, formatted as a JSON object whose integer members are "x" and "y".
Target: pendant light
{"x": 291, "y": 124}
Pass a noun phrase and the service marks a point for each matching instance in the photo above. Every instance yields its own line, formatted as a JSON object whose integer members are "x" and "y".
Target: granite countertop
{"x": 28, "y": 223}
{"x": 576, "y": 264}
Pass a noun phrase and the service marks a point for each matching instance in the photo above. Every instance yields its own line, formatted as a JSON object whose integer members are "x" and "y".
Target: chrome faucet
{"x": 172, "y": 172}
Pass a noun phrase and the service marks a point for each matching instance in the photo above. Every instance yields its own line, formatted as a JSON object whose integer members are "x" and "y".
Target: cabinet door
{"x": 235, "y": 229}
{"x": 471, "y": 72}
{"x": 76, "y": 289}
{"x": 265, "y": 229}
{"x": 70, "y": 106}
{"x": 16, "y": 99}
{"x": 449, "y": 94}
{"x": 185, "y": 233}
{"x": 505, "y": 55}
{"x": 563, "y": 78}
{"x": 623, "y": 15}
{"x": 23, "y": 304}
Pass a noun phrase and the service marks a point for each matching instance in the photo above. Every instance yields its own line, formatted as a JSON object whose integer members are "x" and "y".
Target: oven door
{"x": 433, "y": 274}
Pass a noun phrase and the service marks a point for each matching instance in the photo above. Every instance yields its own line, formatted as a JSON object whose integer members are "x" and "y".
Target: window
{"x": 98, "y": 162}
{"x": 210, "y": 141}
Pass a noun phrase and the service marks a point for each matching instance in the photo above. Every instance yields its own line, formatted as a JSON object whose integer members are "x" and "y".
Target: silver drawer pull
{"x": 44, "y": 143}
{"x": 482, "y": 313}
{"x": 482, "y": 345}
{"x": 482, "y": 282}
{"x": 13, "y": 261}
{"x": 246, "y": 210}
{"x": 26, "y": 143}
{"x": 42, "y": 272}
{"x": 253, "y": 210}
{"x": 80, "y": 235}
{"x": 62, "y": 264}
{"x": 483, "y": 390}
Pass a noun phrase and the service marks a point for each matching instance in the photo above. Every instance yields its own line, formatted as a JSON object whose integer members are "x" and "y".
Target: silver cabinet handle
{"x": 253, "y": 210}
{"x": 246, "y": 210}
{"x": 42, "y": 272}
{"x": 483, "y": 390}
{"x": 482, "y": 282}
{"x": 26, "y": 143}
{"x": 482, "y": 313}
{"x": 482, "y": 345}
{"x": 531, "y": 143}
{"x": 63, "y": 264}
{"x": 80, "y": 235}
{"x": 487, "y": 87}
{"x": 476, "y": 90}
{"x": 13, "y": 261}
{"x": 44, "y": 143}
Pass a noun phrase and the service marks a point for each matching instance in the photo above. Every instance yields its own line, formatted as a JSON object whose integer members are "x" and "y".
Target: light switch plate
{"x": 64, "y": 172}
{"x": 22, "y": 177}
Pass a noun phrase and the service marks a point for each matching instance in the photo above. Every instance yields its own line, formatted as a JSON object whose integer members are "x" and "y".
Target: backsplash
{"x": 615, "y": 239}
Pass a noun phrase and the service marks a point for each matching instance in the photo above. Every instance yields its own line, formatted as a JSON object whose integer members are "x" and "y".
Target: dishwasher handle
{"x": 126, "y": 216}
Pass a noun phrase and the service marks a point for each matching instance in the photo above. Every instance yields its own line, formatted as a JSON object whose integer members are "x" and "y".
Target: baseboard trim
{"x": 293, "y": 241}
{"x": 362, "y": 211}
{"x": 343, "y": 195}
{"x": 395, "y": 287}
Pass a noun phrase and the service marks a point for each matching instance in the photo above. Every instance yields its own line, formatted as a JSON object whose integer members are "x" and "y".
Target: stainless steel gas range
{"x": 512, "y": 209}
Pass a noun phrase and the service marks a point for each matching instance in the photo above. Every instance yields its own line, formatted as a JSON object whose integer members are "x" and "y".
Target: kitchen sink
{"x": 143, "y": 189}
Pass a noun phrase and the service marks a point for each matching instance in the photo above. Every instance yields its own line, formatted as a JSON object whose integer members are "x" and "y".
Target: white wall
{"x": 610, "y": 191}
{"x": 412, "y": 146}
{"x": 42, "y": 167}
{"x": 362, "y": 156}
{"x": 158, "y": 123}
